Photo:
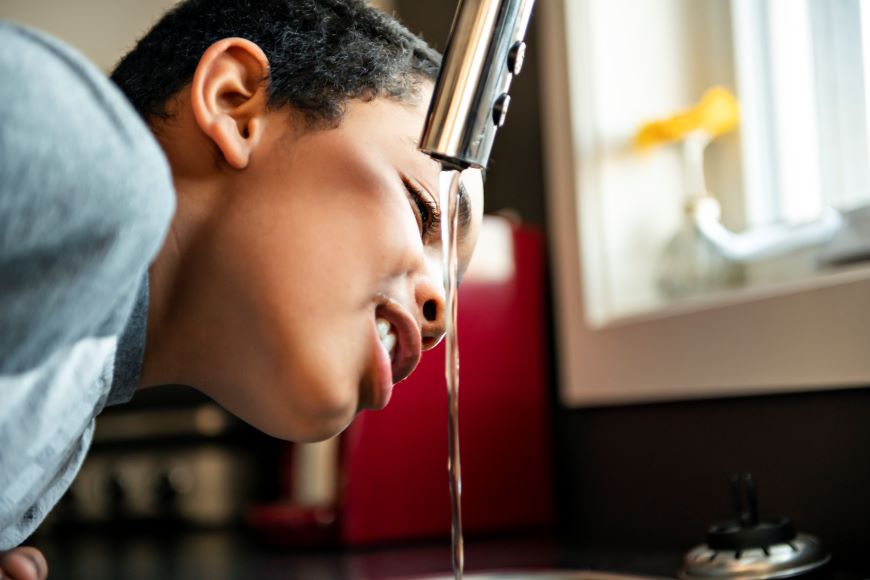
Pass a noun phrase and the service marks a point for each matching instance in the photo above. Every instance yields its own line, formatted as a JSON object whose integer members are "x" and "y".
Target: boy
{"x": 299, "y": 276}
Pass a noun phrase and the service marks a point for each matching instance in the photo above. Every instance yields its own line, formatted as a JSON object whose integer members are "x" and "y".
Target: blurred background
{"x": 671, "y": 288}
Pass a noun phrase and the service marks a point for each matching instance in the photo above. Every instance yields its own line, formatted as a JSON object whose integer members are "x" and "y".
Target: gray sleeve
{"x": 130, "y": 351}
{"x": 85, "y": 200}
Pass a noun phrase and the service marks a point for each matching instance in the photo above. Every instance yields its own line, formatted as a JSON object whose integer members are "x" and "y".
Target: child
{"x": 273, "y": 240}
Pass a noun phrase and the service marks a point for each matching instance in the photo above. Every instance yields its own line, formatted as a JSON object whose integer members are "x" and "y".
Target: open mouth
{"x": 400, "y": 338}
{"x": 387, "y": 336}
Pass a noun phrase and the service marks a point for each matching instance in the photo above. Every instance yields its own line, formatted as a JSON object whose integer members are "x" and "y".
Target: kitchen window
{"x": 786, "y": 184}
{"x": 806, "y": 117}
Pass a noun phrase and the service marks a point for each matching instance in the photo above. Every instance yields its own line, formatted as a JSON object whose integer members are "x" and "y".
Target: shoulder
{"x": 68, "y": 136}
{"x": 86, "y": 198}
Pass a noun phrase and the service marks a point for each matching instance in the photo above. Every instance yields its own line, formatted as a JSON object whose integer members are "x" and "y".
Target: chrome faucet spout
{"x": 484, "y": 52}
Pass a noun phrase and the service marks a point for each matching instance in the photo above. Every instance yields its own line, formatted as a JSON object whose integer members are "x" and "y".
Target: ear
{"x": 229, "y": 97}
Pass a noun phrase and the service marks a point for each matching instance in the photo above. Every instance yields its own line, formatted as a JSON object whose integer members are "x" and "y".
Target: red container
{"x": 395, "y": 460}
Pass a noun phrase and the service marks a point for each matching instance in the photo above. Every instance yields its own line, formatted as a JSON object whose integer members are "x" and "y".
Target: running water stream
{"x": 449, "y": 193}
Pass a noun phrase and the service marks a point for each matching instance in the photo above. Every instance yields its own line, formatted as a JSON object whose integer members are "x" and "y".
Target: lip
{"x": 409, "y": 342}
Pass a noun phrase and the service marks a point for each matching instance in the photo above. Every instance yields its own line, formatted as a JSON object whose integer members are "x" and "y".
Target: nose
{"x": 429, "y": 294}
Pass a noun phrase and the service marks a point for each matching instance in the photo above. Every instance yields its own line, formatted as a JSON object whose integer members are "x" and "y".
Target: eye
{"x": 428, "y": 214}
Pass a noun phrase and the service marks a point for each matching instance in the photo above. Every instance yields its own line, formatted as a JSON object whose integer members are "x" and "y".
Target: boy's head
{"x": 302, "y": 274}
{"x": 321, "y": 53}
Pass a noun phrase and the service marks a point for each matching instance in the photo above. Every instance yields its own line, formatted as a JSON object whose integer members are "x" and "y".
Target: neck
{"x": 179, "y": 272}
{"x": 158, "y": 365}
{"x": 182, "y": 281}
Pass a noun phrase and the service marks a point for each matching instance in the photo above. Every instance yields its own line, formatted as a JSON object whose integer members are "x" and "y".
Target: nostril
{"x": 430, "y": 310}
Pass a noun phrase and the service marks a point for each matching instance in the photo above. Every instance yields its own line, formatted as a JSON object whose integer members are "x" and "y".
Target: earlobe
{"x": 229, "y": 97}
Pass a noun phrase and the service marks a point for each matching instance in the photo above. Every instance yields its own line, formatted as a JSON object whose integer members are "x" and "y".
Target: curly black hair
{"x": 321, "y": 54}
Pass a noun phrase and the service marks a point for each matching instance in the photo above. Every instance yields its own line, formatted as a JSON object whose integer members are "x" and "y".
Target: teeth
{"x": 389, "y": 343}
{"x": 383, "y": 327}
{"x": 387, "y": 336}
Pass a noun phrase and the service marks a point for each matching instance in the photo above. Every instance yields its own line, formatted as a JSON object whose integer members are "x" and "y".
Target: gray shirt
{"x": 86, "y": 198}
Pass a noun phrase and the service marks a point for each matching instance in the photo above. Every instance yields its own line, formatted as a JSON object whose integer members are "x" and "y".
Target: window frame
{"x": 797, "y": 336}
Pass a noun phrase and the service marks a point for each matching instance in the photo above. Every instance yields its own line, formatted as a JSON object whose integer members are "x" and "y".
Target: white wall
{"x": 104, "y": 30}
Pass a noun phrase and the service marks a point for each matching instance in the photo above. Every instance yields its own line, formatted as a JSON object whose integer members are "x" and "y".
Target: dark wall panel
{"x": 656, "y": 475}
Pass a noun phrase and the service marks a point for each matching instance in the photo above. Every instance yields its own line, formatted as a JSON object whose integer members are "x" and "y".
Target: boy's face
{"x": 331, "y": 240}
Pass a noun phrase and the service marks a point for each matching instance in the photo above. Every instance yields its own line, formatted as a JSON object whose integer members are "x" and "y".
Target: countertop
{"x": 225, "y": 555}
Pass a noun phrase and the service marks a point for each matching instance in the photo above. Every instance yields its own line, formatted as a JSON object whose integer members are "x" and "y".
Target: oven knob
{"x": 115, "y": 493}
{"x": 516, "y": 56}
{"x": 165, "y": 491}
{"x": 500, "y": 109}
{"x": 171, "y": 484}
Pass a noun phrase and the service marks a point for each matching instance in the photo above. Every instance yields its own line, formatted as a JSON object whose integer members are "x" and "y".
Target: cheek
{"x": 320, "y": 396}
{"x": 370, "y": 239}
{"x": 314, "y": 258}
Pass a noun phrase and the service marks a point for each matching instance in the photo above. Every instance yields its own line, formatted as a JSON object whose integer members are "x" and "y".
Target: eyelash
{"x": 430, "y": 214}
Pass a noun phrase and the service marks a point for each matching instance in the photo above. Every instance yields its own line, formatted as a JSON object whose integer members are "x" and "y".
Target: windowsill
{"x": 729, "y": 298}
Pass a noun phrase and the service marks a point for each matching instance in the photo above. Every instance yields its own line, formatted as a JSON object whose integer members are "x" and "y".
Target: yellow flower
{"x": 717, "y": 113}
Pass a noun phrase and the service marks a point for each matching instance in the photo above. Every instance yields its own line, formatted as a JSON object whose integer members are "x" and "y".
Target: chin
{"x": 310, "y": 426}
{"x": 295, "y": 406}
{"x": 321, "y": 431}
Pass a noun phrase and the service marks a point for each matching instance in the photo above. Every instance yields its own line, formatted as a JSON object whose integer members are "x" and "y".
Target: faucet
{"x": 484, "y": 52}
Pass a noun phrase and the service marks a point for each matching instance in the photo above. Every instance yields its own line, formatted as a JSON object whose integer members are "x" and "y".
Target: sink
{"x": 542, "y": 575}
